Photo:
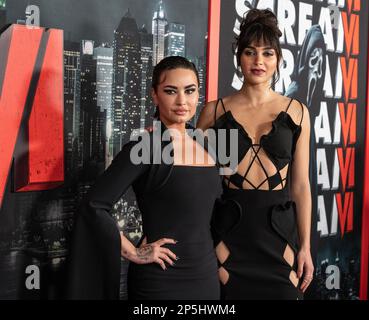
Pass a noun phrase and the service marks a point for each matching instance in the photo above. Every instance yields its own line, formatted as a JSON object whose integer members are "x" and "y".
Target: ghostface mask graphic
{"x": 315, "y": 72}
{"x": 307, "y": 77}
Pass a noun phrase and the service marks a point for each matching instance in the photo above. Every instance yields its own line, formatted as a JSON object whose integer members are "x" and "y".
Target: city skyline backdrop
{"x": 96, "y": 20}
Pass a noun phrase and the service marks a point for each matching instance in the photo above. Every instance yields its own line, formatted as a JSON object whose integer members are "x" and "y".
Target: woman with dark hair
{"x": 176, "y": 258}
{"x": 265, "y": 251}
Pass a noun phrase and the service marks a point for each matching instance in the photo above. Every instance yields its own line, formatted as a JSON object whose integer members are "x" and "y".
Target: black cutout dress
{"x": 256, "y": 224}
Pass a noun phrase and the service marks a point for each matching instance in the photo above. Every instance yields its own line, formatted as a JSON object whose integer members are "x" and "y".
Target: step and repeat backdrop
{"x": 75, "y": 83}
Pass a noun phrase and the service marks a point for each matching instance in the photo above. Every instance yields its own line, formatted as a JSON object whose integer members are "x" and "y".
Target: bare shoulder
{"x": 231, "y": 100}
{"x": 207, "y": 115}
{"x": 298, "y": 111}
{"x": 213, "y": 110}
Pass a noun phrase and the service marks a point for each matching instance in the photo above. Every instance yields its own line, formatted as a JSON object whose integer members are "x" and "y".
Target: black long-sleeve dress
{"x": 175, "y": 202}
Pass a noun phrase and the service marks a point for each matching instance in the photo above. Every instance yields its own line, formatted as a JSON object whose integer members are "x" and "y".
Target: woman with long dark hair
{"x": 265, "y": 251}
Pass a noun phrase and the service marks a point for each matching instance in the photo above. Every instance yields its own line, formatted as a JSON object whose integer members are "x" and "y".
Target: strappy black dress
{"x": 257, "y": 224}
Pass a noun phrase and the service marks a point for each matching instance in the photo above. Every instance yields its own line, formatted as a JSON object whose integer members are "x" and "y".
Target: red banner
{"x": 31, "y": 65}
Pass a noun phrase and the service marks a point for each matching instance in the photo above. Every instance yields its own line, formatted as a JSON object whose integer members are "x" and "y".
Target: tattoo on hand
{"x": 144, "y": 251}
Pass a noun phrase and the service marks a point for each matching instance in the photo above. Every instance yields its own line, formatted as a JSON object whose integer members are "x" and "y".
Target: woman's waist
{"x": 190, "y": 235}
{"x": 191, "y": 250}
{"x": 191, "y": 264}
{"x": 256, "y": 197}
{"x": 188, "y": 250}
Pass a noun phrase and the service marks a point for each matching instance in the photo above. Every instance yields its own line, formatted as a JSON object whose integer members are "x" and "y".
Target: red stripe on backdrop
{"x": 365, "y": 216}
{"x": 213, "y": 50}
{"x": 18, "y": 64}
{"x": 40, "y": 159}
{"x": 46, "y": 169}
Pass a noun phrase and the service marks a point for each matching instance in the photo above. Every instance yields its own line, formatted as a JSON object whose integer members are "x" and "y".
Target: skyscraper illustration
{"x": 175, "y": 39}
{"x": 104, "y": 76}
{"x": 147, "y": 108}
{"x": 159, "y": 22}
{"x": 104, "y": 81}
{"x": 87, "y": 100}
{"x": 92, "y": 119}
{"x": 126, "y": 92}
{"x": 71, "y": 67}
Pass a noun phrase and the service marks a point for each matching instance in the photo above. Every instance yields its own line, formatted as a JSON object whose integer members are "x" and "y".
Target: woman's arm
{"x": 97, "y": 245}
{"x": 94, "y": 261}
{"x": 115, "y": 180}
{"x": 113, "y": 183}
{"x": 301, "y": 194}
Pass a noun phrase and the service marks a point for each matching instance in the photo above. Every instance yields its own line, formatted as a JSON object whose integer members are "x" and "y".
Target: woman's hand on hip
{"x": 154, "y": 253}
